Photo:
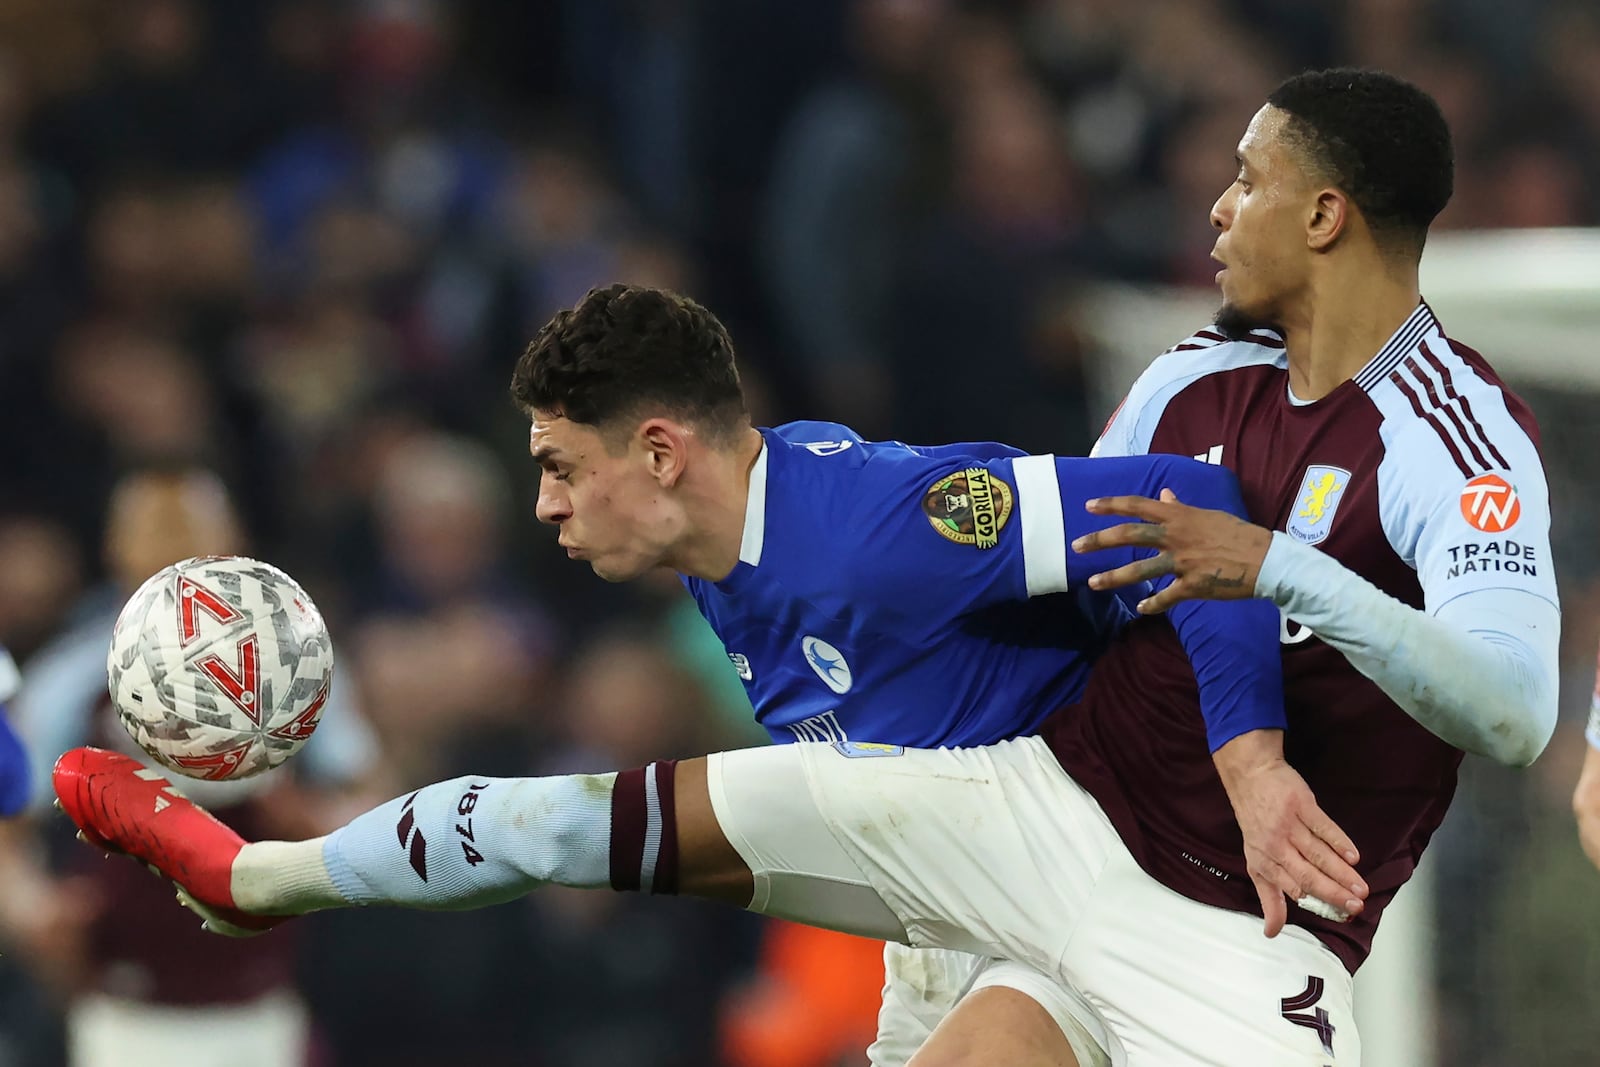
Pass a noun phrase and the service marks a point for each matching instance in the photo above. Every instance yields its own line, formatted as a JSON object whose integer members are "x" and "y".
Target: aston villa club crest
{"x": 1317, "y": 502}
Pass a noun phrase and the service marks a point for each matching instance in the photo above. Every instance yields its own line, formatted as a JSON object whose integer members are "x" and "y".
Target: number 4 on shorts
{"x": 1295, "y": 1009}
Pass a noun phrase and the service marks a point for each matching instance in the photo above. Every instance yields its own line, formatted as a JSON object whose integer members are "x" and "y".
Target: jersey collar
{"x": 1419, "y": 325}
{"x": 1402, "y": 343}
{"x": 755, "y": 512}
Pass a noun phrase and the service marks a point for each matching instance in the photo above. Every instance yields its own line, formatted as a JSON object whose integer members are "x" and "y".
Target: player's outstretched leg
{"x": 992, "y": 851}
{"x": 868, "y": 839}
{"x": 464, "y": 843}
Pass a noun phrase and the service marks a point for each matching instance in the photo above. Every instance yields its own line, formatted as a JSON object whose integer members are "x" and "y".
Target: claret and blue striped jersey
{"x": 1421, "y": 475}
{"x": 909, "y": 595}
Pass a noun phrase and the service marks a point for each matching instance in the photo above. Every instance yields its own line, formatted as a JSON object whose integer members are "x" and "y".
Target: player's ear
{"x": 665, "y": 445}
{"x": 1328, "y": 217}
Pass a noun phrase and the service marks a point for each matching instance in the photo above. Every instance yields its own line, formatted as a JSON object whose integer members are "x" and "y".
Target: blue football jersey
{"x": 13, "y": 760}
{"x": 925, "y": 595}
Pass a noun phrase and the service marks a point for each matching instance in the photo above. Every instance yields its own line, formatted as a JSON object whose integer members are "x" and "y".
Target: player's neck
{"x": 716, "y": 503}
{"x": 1349, "y": 316}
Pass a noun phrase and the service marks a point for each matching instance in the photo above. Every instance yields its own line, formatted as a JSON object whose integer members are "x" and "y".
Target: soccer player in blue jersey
{"x": 873, "y": 596}
{"x": 14, "y": 790}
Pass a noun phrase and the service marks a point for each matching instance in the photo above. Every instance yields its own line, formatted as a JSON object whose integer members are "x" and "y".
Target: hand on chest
{"x": 1308, "y": 472}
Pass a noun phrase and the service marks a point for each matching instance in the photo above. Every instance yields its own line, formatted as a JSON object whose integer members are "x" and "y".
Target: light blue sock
{"x": 474, "y": 841}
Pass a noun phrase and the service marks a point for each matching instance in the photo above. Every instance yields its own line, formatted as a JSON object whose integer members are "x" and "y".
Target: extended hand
{"x": 1211, "y": 554}
{"x": 1291, "y": 846}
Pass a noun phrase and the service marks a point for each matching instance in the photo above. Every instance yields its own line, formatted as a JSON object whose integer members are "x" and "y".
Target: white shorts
{"x": 920, "y": 987}
{"x": 996, "y": 851}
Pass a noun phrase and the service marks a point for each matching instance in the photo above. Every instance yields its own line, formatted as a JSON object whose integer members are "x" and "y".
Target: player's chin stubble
{"x": 1234, "y": 323}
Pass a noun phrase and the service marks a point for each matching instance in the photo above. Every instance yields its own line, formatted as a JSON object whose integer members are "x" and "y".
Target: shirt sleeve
{"x": 1464, "y": 534}
{"x": 1133, "y": 424}
{"x": 1479, "y": 673}
{"x": 963, "y": 538}
{"x": 947, "y": 536}
{"x": 931, "y": 539}
{"x": 1232, "y": 645}
{"x": 1477, "y": 665}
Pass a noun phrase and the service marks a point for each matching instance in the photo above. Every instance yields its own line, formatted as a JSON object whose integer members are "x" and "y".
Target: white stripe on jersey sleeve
{"x": 1044, "y": 527}
{"x": 1134, "y": 425}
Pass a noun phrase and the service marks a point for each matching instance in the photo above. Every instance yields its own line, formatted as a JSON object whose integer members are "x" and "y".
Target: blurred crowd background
{"x": 299, "y": 244}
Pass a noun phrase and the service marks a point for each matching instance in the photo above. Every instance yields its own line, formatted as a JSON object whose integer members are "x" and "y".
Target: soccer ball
{"x": 220, "y": 666}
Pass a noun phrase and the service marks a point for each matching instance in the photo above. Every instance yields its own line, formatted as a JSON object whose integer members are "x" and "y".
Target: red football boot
{"x": 123, "y": 806}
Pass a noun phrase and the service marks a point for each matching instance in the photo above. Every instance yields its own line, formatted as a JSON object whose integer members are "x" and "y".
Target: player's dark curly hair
{"x": 1380, "y": 139}
{"x": 624, "y": 350}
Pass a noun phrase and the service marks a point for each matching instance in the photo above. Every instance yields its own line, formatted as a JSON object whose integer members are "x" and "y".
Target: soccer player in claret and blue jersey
{"x": 871, "y": 595}
{"x": 1402, "y": 520}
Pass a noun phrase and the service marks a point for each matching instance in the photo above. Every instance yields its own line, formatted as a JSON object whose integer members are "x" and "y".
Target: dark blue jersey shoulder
{"x": 871, "y": 570}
